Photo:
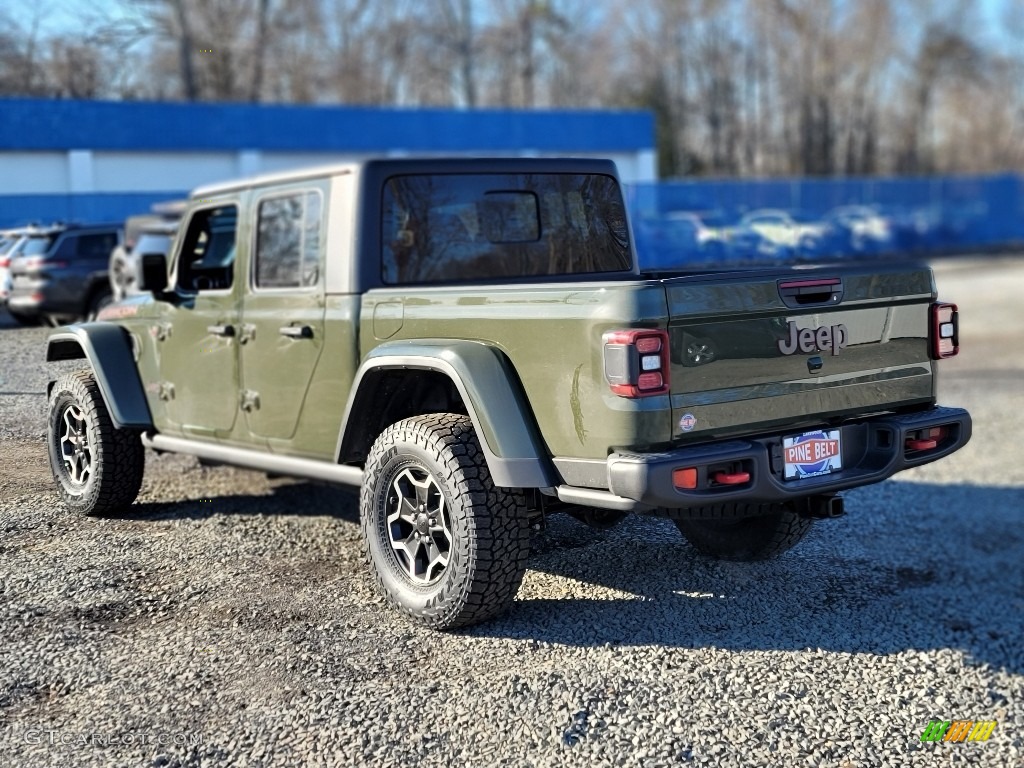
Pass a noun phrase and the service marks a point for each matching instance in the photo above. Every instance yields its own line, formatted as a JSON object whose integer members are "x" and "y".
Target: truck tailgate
{"x": 757, "y": 351}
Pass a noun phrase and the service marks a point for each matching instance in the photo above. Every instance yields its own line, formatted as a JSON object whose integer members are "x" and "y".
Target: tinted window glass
{"x": 67, "y": 248}
{"x": 470, "y": 227}
{"x": 288, "y": 241}
{"x": 208, "y": 251}
{"x": 96, "y": 246}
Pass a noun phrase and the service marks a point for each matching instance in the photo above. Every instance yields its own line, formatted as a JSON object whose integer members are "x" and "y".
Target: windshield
{"x": 37, "y": 245}
{"x": 149, "y": 243}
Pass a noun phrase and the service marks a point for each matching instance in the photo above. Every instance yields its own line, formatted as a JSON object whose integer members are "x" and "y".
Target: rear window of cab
{"x": 454, "y": 227}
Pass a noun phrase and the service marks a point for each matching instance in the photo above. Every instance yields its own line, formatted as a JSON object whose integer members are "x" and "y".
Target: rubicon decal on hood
{"x": 807, "y": 340}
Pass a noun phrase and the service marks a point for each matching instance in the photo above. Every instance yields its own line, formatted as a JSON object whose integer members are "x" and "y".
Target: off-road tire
{"x": 116, "y": 456}
{"x": 488, "y": 525}
{"x": 735, "y": 535}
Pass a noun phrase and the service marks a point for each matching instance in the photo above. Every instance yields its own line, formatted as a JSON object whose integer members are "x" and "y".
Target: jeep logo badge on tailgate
{"x": 807, "y": 340}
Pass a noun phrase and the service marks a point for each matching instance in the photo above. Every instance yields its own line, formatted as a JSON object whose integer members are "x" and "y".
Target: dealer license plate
{"x": 812, "y": 454}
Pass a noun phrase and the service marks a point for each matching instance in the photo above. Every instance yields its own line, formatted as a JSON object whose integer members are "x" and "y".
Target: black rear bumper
{"x": 873, "y": 449}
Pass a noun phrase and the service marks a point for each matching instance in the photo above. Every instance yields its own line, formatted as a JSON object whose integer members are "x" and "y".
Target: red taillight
{"x": 648, "y": 344}
{"x": 945, "y": 330}
{"x": 4, "y": 262}
{"x": 636, "y": 362}
{"x": 648, "y": 381}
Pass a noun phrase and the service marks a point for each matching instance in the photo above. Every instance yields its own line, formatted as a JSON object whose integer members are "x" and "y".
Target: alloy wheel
{"x": 74, "y": 445}
{"x": 419, "y": 525}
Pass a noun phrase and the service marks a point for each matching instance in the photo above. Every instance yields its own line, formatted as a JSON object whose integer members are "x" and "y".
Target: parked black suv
{"x": 60, "y": 273}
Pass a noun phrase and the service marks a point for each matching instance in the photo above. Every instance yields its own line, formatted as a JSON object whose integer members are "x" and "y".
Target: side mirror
{"x": 154, "y": 273}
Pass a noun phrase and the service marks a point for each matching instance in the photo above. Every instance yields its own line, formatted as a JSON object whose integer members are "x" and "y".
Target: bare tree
{"x": 736, "y": 87}
{"x": 259, "y": 50}
{"x": 186, "y": 50}
{"x": 458, "y": 35}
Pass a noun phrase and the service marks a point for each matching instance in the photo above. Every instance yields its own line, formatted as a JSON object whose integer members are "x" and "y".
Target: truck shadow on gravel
{"x": 913, "y": 566}
{"x": 298, "y": 498}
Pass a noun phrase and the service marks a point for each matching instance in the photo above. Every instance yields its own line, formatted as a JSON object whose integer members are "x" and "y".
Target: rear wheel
{"x": 446, "y": 546}
{"x": 97, "y": 467}
{"x": 774, "y": 529}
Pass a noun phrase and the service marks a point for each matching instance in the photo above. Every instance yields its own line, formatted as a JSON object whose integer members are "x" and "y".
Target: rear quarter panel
{"x": 551, "y": 334}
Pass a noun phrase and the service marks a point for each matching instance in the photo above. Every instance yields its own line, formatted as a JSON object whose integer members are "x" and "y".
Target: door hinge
{"x": 166, "y": 391}
{"x": 247, "y": 333}
{"x": 250, "y": 401}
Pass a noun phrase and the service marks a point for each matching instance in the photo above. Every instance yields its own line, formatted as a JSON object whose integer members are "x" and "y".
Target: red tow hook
{"x": 735, "y": 478}
{"x": 921, "y": 445}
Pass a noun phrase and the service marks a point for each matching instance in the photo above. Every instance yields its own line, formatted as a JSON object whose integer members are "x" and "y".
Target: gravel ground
{"x": 227, "y": 619}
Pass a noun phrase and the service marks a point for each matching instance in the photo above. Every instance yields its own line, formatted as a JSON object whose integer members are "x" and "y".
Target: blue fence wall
{"x": 690, "y": 222}
{"x": 16, "y": 210}
{"x": 55, "y": 124}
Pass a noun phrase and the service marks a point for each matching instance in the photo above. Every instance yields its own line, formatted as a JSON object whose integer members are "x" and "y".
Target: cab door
{"x": 196, "y": 335}
{"x": 283, "y": 311}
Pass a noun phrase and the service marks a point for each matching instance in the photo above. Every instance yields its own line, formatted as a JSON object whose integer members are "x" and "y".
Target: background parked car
{"x": 859, "y": 229}
{"x": 8, "y": 240}
{"x": 148, "y": 233}
{"x": 12, "y": 241}
{"x": 60, "y": 273}
{"x": 679, "y": 240}
{"x": 777, "y": 235}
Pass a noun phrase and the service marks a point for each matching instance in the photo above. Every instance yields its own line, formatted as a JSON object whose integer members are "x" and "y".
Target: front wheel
{"x": 446, "y": 546}
{"x": 97, "y": 467}
{"x": 762, "y": 536}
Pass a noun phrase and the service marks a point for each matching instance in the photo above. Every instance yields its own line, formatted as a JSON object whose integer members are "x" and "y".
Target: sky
{"x": 67, "y": 14}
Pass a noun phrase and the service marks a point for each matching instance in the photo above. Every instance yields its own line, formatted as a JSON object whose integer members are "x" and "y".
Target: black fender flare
{"x": 484, "y": 378}
{"x": 108, "y": 349}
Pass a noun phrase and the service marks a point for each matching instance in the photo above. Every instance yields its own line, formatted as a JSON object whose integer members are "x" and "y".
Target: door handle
{"x": 221, "y": 330}
{"x": 297, "y": 331}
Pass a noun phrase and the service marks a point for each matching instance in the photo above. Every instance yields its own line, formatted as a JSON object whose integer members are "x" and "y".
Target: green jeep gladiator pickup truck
{"x": 473, "y": 343}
